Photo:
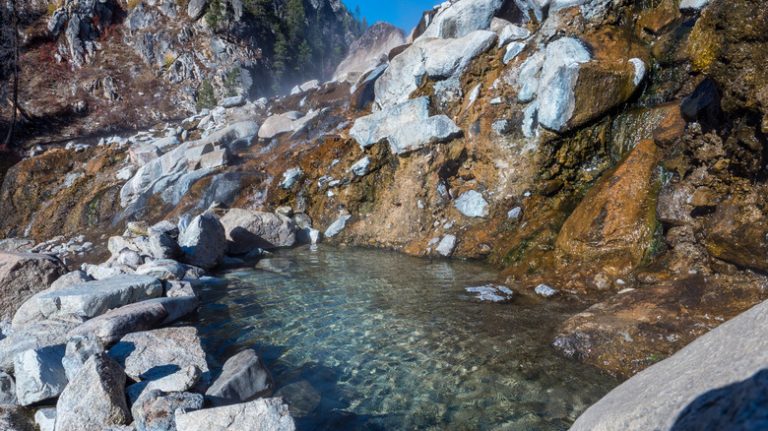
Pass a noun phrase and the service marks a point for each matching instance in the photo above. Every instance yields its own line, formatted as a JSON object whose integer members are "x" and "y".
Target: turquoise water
{"x": 370, "y": 340}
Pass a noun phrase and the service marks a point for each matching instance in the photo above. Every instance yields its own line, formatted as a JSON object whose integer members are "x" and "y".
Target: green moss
{"x": 206, "y": 96}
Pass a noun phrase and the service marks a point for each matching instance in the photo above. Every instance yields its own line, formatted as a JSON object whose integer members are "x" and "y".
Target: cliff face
{"x": 124, "y": 64}
{"x": 612, "y": 150}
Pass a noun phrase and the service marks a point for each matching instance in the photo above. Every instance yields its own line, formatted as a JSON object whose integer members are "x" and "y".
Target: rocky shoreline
{"x": 97, "y": 348}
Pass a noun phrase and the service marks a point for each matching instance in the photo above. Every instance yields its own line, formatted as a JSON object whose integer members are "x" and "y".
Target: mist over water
{"x": 362, "y": 339}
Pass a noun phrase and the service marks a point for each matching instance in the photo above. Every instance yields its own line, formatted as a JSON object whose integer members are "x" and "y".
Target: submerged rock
{"x": 264, "y": 414}
{"x": 492, "y": 293}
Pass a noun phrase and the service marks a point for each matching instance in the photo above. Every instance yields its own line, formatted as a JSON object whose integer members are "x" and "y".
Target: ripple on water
{"x": 365, "y": 339}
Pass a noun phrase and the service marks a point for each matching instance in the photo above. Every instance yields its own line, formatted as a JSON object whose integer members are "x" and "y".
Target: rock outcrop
{"x": 368, "y": 51}
{"x": 22, "y": 275}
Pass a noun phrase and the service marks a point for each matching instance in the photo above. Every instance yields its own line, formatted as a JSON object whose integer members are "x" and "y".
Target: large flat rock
{"x": 264, "y": 414}
{"x": 88, "y": 300}
{"x": 150, "y": 355}
{"x": 33, "y": 336}
{"x": 716, "y": 382}
{"x": 24, "y": 274}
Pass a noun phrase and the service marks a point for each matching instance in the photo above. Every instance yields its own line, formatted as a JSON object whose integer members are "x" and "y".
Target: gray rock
{"x": 94, "y": 400}
{"x": 545, "y": 291}
{"x": 361, "y": 167}
{"x": 180, "y": 381}
{"x": 302, "y": 398}
{"x": 175, "y": 289}
{"x": 45, "y": 418}
{"x": 163, "y": 246}
{"x": 716, "y": 382}
{"x": 150, "y": 355}
{"x": 694, "y": 4}
{"x": 79, "y": 349}
{"x": 407, "y": 127}
{"x": 264, "y": 414}
{"x": 163, "y": 269}
{"x": 156, "y": 410}
{"x": 232, "y": 102}
{"x": 512, "y": 51}
{"x": 337, "y": 226}
{"x": 366, "y": 52}
{"x": 113, "y": 325}
{"x": 288, "y": 122}
{"x": 290, "y": 177}
{"x": 106, "y": 271}
{"x": 89, "y": 299}
{"x": 7, "y": 389}
{"x": 24, "y": 274}
{"x": 243, "y": 378}
{"x": 164, "y": 227}
{"x": 70, "y": 279}
{"x": 39, "y": 374}
{"x": 462, "y": 18}
{"x": 440, "y": 59}
{"x": 472, "y": 204}
{"x": 204, "y": 241}
{"x": 33, "y": 336}
{"x": 558, "y": 78}
{"x": 247, "y": 230}
{"x": 195, "y": 9}
{"x": 446, "y": 245}
{"x": 511, "y": 33}
{"x": 514, "y": 213}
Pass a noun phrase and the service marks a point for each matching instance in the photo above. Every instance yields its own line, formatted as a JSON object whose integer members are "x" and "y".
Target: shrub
{"x": 206, "y": 96}
{"x": 133, "y": 3}
{"x": 168, "y": 60}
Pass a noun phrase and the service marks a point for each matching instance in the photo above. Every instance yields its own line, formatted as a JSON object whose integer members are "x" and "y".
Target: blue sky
{"x": 402, "y": 13}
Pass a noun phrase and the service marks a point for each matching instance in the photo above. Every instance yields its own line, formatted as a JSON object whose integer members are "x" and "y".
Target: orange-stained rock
{"x": 633, "y": 330}
{"x": 657, "y": 19}
{"x": 738, "y": 233}
{"x": 613, "y": 225}
{"x": 671, "y": 126}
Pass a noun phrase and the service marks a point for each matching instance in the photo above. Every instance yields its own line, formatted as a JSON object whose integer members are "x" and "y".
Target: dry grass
{"x": 132, "y": 4}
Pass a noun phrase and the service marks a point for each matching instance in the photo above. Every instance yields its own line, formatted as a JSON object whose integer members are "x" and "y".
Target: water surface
{"x": 366, "y": 340}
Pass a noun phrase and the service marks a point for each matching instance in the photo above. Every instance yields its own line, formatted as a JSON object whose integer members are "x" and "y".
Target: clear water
{"x": 366, "y": 340}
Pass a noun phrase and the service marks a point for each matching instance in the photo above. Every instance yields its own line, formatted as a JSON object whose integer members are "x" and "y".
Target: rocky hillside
{"x": 611, "y": 151}
{"x": 126, "y": 64}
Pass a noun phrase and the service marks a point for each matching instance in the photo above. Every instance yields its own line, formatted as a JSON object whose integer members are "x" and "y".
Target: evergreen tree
{"x": 282, "y": 57}
{"x": 304, "y": 58}
{"x": 295, "y": 19}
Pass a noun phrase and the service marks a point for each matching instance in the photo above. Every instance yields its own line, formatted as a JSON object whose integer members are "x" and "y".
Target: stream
{"x": 360, "y": 339}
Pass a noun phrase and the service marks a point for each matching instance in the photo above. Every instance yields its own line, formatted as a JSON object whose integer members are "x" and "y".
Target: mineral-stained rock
{"x": 180, "y": 381}
{"x": 89, "y": 299}
{"x": 160, "y": 352}
{"x": 737, "y": 232}
{"x": 247, "y": 230}
{"x": 716, "y": 382}
{"x": 95, "y": 399}
{"x": 24, "y": 274}
{"x": 156, "y": 410}
{"x": 204, "y": 241}
{"x": 242, "y": 378}
{"x": 39, "y": 374}
{"x": 616, "y": 220}
{"x": 264, "y": 414}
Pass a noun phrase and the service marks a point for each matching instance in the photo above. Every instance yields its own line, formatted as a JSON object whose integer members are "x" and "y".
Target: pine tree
{"x": 295, "y": 19}
{"x": 304, "y": 58}
{"x": 282, "y": 57}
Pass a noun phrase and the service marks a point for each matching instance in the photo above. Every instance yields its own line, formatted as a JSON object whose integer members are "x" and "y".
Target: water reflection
{"x": 364, "y": 339}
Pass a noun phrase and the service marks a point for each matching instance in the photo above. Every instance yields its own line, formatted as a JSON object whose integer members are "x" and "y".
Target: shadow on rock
{"x": 740, "y": 406}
